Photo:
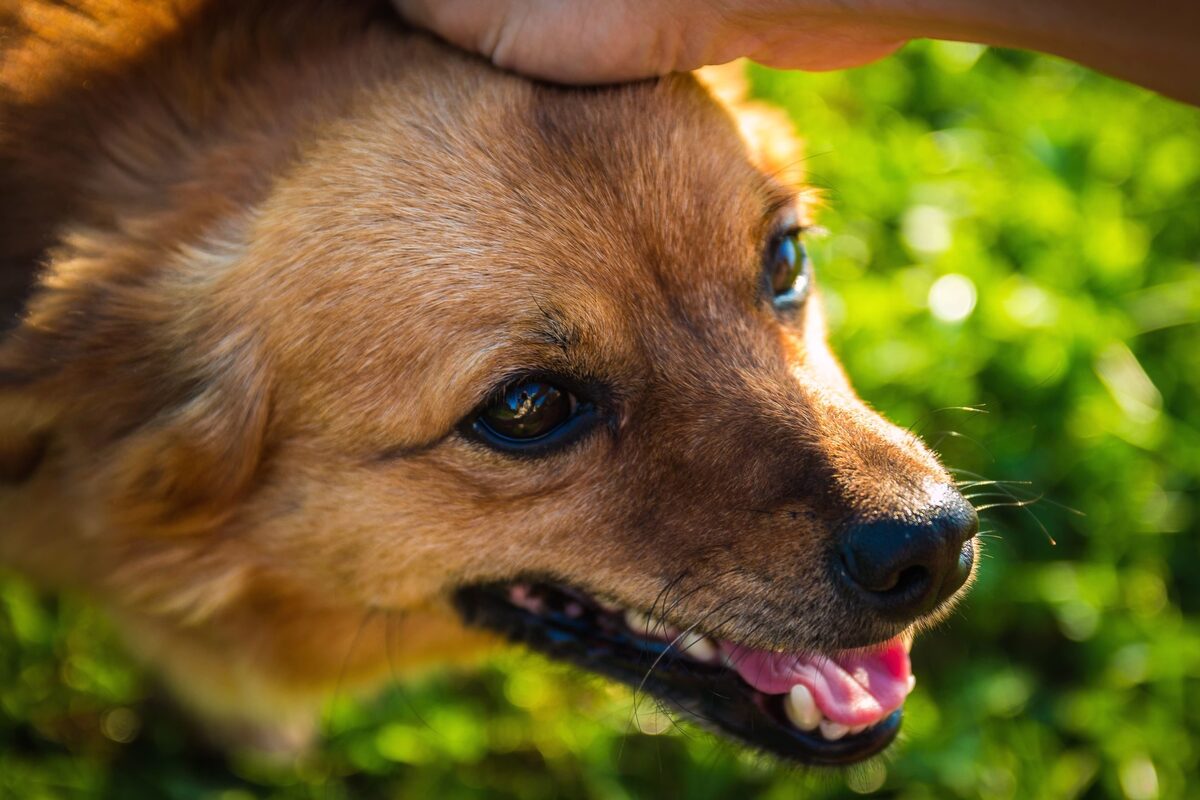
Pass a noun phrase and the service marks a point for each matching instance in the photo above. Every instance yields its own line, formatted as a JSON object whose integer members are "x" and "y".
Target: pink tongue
{"x": 853, "y": 688}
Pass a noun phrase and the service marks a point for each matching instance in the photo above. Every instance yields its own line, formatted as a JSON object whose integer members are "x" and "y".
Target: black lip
{"x": 711, "y": 696}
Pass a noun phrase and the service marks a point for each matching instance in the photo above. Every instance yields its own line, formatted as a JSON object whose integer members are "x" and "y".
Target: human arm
{"x": 1155, "y": 43}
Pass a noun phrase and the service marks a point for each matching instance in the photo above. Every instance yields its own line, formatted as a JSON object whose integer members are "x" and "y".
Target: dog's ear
{"x": 186, "y": 469}
{"x": 160, "y": 403}
{"x": 769, "y": 135}
{"x": 95, "y": 355}
{"x": 58, "y": 60}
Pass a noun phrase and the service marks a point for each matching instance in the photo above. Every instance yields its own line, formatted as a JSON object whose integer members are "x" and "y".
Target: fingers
{"x": 566, "y": 41}
{"x": 470, "y": 24}
{"x": 603, "y": 41}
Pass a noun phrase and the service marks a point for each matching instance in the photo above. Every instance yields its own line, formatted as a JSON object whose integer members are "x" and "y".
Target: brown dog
{"x": 325, "y": 340}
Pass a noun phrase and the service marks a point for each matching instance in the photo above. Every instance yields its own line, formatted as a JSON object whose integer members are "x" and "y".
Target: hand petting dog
{"x": 1152, "y": 44}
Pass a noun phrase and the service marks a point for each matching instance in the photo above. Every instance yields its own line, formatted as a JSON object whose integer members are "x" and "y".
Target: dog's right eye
{"x": 532, "y": 417}
{"x": 788, "y": 270}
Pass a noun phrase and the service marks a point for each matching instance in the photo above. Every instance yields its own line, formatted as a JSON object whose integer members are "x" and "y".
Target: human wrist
{"x": 1150, "y": 43}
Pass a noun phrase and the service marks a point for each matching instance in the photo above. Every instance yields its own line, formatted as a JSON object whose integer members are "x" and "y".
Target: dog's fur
{"x": 262, "y": 258}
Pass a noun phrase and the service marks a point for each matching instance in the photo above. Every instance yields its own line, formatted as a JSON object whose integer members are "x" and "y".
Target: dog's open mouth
{"x": 815, "y": 709}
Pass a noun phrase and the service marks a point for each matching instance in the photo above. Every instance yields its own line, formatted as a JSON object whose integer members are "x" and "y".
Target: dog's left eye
{"x": 787, "y": 268}
{"x": 532, "y": 416}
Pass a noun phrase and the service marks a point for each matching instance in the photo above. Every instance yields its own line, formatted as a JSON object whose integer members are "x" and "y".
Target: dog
{"x": 325, "y": 342}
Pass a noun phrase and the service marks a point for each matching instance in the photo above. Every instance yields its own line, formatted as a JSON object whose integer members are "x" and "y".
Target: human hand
{"x": 602, "y": 41}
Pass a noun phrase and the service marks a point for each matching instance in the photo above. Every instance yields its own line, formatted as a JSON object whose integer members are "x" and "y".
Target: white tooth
{"x": 650, "y": 627}
{"x": 801, "y": 708}
{"x": 637, "y": 621}
{"x": 857, "y": 729}
{"x": 912, "y": 681}
{"x": 698, "y": 647}
{"x": 833, "y": 730}
{"x": 727, "y": 660}
{"x": 652, "y": 721}
{"x": 645, "y": 625}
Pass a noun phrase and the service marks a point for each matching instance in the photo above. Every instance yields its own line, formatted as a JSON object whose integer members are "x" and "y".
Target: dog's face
{"x": 573, "y": 337}
{"x": 552, "y": 354}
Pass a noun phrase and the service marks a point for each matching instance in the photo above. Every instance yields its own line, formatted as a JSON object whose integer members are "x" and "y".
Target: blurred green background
{"x": 1006, "y": 232}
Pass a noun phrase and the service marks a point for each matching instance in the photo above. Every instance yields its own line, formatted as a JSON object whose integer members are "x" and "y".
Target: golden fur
{"x": 262, "y": 258}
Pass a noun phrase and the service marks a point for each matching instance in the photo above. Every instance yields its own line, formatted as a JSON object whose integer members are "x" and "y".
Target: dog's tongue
{"x": 853, "y": 688}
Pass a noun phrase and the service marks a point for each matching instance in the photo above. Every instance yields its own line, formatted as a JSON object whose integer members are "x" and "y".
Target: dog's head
{"x": 554, "y": 355}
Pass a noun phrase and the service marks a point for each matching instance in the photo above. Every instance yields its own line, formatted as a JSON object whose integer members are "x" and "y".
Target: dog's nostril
{"x": 909, "y": 580}
{"x": 906, "y": 567}
{"x": 886, "y": 584}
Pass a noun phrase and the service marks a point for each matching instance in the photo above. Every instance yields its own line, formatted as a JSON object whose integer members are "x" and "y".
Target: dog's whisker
{"x": 390, "y": 644}
{"x": 978, "y": 495}
{"x": 669, "y": 611}
{"x": 660, "y": 620}
{"x": 928, "y": 416}
{"x": 1009, "y": 504}
{"x": 971, "y": 484}
{"x": 645, "y": 678}
{"x": 1003, "y": 486}
{"x": 663, "y": 593}
{"x": 338, "y": 685}
{"x": 948, "y": 434}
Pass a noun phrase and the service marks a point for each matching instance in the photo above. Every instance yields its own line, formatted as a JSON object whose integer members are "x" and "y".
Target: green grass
{"x": 1069, "y": 204}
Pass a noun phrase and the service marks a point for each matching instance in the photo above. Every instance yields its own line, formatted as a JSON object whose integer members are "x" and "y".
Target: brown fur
{"x": 284, "y": 248}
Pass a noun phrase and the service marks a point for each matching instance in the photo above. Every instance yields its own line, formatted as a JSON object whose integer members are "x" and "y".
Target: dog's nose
{"x": 903, "y": 568}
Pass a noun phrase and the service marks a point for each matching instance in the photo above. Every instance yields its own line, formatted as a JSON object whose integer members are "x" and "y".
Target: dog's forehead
{"x": 643, "y": 194}
{"x": 637, "y": 183}
{"x": 438, "y": 226}
{"x": 652, "y": 180}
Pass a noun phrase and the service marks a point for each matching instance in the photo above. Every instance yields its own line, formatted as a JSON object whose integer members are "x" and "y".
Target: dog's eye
{"x": 787, "y": 269}
{"x": 529, "y": 411}
{"x": 532, "y": 416}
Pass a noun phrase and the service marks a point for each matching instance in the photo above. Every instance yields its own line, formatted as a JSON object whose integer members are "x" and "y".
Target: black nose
{"x": 906, "y": 567}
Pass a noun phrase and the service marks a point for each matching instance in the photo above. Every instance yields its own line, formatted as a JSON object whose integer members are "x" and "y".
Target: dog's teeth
{"x": 833, "y": 730}
{"x": 701, "y": 648}
{"x": 857, "y": 729}
{"x": 638, "y": 622}
{"x": 912, "y": 681}
{"x": 649, "y": 627}
{"x": 801, "y": 708}
{"x": 643, "y": 624}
